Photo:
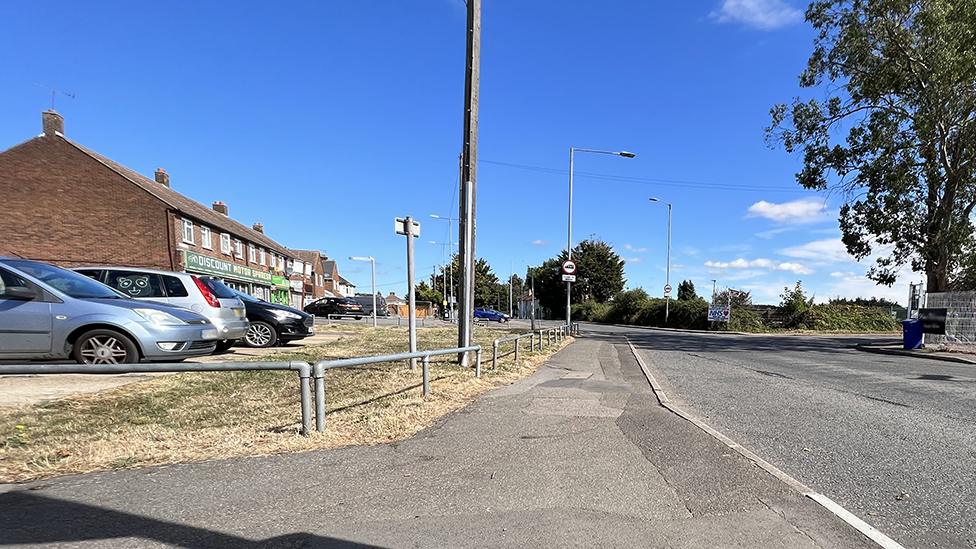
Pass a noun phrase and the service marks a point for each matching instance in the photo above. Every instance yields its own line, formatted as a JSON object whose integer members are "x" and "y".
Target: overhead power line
{"x": 649, "y": 180}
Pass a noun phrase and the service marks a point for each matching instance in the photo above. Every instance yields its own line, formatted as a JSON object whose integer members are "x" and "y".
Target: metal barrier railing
{"x": 318, "y": 371}
{"x": 304, "y": 370}
{"x": 553, "y": 336}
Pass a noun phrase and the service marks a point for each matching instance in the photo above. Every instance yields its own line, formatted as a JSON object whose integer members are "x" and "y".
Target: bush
{"x": 625, "y": 305}
{"x": 591, "y": 311}
{"x": 745, "y": 319}
{"x": 850, "y": 318}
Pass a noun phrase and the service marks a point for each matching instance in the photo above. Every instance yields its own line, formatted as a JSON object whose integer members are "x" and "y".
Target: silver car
{"x": 198, "y": 293}
{"x": 47, "y": 312}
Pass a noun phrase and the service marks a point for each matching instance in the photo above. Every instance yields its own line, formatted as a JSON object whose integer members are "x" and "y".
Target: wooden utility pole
{"x": 469, "y": 161}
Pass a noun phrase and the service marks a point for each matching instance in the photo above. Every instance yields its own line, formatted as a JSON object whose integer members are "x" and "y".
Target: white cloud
{"x": 760, "y": 263}
{"x": 767, "y": 235}
{"x": 539, "y": 242}
{"x": 631, "y": 260}
{"x": 803, "y": 210}
{"x": 760, "y": 14}
{"x": 825, "y": 250}
{"x": 634, "y": 249}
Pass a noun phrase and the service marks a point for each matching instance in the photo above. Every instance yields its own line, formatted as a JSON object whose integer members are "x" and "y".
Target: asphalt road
{"x": 892, "y": 439}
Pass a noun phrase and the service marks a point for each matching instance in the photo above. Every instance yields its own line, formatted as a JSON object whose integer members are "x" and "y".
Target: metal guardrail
{"x": 553, "y": 335}
{"x": 318, "y": 371}
{"x": 304, "y": 370}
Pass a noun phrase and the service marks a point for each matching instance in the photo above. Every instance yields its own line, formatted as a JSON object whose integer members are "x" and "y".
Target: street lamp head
{"x": 360, "y": 258}
{"x": 626, "y": 154}
{"x": 654, "y": 199}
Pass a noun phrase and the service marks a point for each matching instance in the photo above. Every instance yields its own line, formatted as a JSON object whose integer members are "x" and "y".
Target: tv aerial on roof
{"x": 54, "y": 92}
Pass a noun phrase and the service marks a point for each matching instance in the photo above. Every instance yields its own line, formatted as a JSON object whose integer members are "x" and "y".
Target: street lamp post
{"x": 569, "y": 225}
{"x": 372, "y": 265}
{"x": 667, "y": 281}
{"x": 452, "y": 244}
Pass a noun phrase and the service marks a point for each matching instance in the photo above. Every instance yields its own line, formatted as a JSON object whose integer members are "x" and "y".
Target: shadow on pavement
{"x": 27, "y": 518}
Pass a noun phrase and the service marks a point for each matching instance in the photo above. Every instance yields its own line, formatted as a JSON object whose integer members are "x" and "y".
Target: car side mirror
{"x": 22, "y": 293}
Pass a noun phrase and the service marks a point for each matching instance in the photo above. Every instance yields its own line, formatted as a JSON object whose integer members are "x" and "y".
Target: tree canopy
{"x": 599, "y": 276}
{"x": 898, "y": 78}
{"x": 686, "y": 291}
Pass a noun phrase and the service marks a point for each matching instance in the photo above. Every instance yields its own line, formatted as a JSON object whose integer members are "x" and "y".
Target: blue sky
{"x": 325, "y": 120}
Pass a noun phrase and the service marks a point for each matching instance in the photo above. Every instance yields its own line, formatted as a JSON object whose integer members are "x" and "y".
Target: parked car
{"x": 273, "y": 324}
{"x": 366, "y": 301}
{"x": 52, "y": 313}
{"x": 336, "y": 306}
{"x": 201, "y": 294}
{"x": 491, "y": 315}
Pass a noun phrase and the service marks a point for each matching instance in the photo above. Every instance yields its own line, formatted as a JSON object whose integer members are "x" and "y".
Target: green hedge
{"x": 635, "y": 307}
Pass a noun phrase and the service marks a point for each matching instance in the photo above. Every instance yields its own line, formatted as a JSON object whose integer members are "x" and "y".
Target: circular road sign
{"x": 667, "y": 288}
{"x": 569, "y": 267}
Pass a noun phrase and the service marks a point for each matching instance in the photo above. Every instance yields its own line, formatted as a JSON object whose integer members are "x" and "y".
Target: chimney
{"x": 162, "y": 177}
{"x": 52, "y": 123}
{"x": 220, "y": 207}
{"x": 259, "y": 227}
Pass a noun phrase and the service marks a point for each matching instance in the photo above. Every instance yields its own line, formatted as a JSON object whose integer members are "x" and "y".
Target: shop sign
{"x": 206, "y": 264}
{"x": 280, "y": 282}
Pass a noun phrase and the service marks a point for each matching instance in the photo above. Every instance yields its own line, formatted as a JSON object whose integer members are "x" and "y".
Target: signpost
{"x": 718, "y": 314}
{"x": 933, "y": 321}
{"x": 406, "y": 226}
{"x": 569, "y": 267}
{"x": 667, "y": 290}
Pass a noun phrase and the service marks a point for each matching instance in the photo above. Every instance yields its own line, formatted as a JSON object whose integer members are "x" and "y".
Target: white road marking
{"x": 871, "y": 532}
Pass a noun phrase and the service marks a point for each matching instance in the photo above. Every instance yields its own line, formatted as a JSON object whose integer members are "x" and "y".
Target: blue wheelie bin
{"x": 912, "y": 333}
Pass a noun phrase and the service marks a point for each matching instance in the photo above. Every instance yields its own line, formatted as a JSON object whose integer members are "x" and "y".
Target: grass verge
{"x": 195, "y": 417}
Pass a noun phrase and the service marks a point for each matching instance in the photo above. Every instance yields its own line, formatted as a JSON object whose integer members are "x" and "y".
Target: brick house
{"x": 335, "y": 282}
{"x": 308, "y": 274}
{"x": 68, "y": 205}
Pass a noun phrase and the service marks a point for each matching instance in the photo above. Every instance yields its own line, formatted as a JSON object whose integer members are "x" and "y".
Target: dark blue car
{"x": 490, "y": 314}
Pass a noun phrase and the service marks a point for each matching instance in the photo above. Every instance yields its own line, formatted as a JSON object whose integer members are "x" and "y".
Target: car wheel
{"x": 358, "y": 317}
{"x": 260, "y": 334}
{"x": 104, "y": 347}
{"x": 224, "y": 345}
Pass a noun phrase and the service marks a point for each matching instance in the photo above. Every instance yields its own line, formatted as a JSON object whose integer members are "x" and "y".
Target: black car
{"x": 336, "y": 307}
{"x": 366, "y": 301}
{"x": 273, "y": 324}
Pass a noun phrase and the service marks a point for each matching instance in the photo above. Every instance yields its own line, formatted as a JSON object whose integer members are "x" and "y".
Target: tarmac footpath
{"x": 579, "y": 454}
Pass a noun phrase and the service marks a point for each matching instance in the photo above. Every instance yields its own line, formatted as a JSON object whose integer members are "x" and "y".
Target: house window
{"x": 205, "y": 240}
{"x": 225, "y": 243}
{"x": 238, "y": 249}
{"x": 264, "y": 259}
{"x": 188, "y": 232}
{"x": 252, "y": 254}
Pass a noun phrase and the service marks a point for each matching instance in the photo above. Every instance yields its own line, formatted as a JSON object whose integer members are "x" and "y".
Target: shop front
{"x": 260, "y": 284}
{"x": 280, "y": 290}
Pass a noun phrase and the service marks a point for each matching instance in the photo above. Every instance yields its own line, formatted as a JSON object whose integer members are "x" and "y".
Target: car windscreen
{"x": 246, "y": 297}
{"x": 218, "y": 288}
{"x": 71, "y": 283}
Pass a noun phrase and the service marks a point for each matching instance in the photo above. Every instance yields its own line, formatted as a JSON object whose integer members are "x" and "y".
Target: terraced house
{"x": 68, "y": 205}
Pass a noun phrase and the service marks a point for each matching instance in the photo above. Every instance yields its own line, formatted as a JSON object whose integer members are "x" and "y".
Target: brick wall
{"x": 62, "y": 206}
{"x": 176, "y": 226}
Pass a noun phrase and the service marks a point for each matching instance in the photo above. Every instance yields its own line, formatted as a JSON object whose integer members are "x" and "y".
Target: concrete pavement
{"x": 578, "y": 454}
{"x": 890, "y": 438}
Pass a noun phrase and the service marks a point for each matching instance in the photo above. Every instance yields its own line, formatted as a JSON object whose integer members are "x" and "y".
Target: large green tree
{"x": 485, "y": 283}
{"x": 599, "y": 276}
{"x": 893, "y": 129}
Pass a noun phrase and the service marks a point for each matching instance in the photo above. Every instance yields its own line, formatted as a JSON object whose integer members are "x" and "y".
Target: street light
{"x": 372, "y": 264}
{"x": 569, "y": 227}
{"x": 667, "y": 282}
{"x": 451, "y": 243}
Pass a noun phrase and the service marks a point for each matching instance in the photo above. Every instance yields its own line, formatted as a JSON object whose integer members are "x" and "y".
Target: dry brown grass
{"x": 194, "y": 417}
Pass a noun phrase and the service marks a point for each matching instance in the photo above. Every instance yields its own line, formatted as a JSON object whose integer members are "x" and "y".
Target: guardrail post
{"x": 494, "y": 354}
{"x": 477, "y": 363}
{"x": 518, "y": 341}
{"x": 304, "y": 378}
{"x": 426, "y": 375}
{"x": 319, "y": 398}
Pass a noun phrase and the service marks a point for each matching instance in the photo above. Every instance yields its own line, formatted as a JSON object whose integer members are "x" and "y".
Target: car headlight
{"x": 159, "y": 318}
{"x": 285, "y": 315}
